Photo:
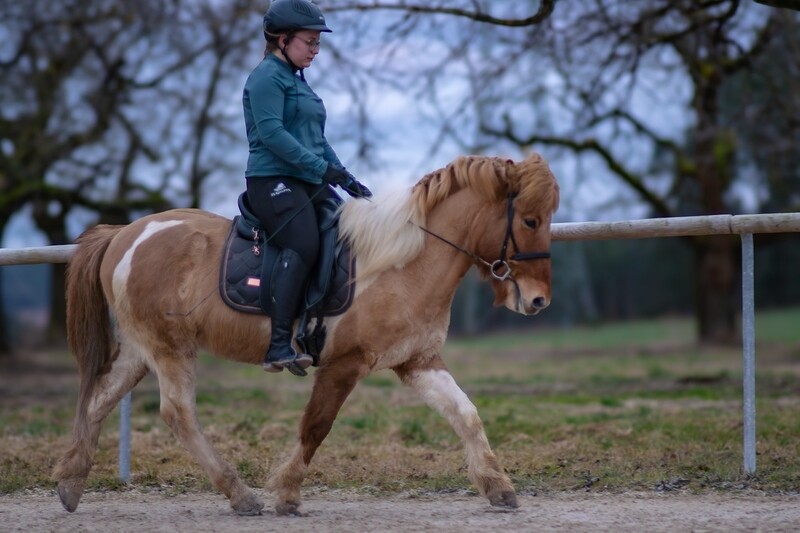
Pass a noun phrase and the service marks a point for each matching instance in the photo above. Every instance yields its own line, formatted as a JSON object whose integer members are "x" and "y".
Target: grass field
{"x": 630, "y": 406}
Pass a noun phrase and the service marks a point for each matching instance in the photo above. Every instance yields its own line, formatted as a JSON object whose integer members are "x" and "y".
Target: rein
{"x": 499, "y": 268}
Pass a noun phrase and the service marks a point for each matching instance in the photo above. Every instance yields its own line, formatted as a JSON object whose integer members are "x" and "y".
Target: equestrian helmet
{"x": 293, "y": 15}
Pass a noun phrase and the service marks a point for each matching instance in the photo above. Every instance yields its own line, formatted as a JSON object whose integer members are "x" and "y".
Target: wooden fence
{"x": 566, "y": 231}
{"x": 743, "y": 225}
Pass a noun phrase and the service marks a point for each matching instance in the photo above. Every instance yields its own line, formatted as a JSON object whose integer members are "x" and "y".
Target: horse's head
{"x": 504, "y": 210}
{"x": 514, "y": 236}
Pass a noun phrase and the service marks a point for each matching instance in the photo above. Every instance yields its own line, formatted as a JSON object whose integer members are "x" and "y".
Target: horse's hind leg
{"x": 439, "y": 390}
{"x": 176, "y": 383}
{"x": 73, "y": 468}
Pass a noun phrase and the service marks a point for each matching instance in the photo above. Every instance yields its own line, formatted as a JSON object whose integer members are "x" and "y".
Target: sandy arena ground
{"x": 133, "y": 511}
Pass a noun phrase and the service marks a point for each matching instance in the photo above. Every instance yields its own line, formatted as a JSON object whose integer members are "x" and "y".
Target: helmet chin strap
{"x": 291, "y": 63}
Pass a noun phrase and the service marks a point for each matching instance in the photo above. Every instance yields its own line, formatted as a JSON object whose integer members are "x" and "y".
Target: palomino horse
{"x": 144, "y": 297}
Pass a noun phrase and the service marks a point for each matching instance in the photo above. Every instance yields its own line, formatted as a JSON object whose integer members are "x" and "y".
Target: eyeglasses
{"x": 313, "y": 44}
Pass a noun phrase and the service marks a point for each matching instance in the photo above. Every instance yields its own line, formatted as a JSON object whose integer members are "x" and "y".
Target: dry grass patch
{"x": 638, "y": 414}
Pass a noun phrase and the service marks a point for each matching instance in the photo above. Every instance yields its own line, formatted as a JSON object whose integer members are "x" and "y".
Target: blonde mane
{"x": 380, "y": 233}
{"x": 492, "y": 178}
{"x": 385, "y": 233}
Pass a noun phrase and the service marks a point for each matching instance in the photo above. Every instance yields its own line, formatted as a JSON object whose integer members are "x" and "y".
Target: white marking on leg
{"x": 440, "y": 391}
{"x": 123, "y": 269}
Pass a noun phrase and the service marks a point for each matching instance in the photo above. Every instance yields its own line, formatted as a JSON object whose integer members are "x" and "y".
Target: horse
{"x": 145, "y": 297}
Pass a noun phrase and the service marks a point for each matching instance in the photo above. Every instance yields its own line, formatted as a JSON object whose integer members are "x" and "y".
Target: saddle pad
{"x": 240, "y": 270}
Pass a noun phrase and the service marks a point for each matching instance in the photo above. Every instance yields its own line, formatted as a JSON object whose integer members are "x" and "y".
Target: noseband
{"x": 499, "y": 268}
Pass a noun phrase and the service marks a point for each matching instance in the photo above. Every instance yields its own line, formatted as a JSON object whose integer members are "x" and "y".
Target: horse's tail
{"x": 89, "y": 330}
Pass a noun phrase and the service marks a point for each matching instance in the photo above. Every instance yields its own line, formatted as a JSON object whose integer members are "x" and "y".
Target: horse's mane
{"x": 385, "y": 233}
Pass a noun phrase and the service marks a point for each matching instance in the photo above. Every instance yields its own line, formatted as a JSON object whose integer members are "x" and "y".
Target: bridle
{"x": 499, "y": 268}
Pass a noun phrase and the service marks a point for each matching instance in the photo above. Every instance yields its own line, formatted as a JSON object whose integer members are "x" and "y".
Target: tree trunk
{"x": 5, "y": 343}
{"x": 716, "y": 258}
{"x": 469, "y": 295}
{"x": 716, "y": 284}
{"x": 54, "y": 226}
{"x": 57, "y": 327}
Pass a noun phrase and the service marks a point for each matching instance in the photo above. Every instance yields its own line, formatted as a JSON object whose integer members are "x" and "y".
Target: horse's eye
{"x": 531, "y": 223}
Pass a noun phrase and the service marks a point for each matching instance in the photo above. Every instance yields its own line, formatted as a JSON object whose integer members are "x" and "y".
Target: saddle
{"x": 331, "y": 285}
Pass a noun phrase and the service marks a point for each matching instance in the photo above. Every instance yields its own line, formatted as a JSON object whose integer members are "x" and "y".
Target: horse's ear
{"x": 506, "y": 173}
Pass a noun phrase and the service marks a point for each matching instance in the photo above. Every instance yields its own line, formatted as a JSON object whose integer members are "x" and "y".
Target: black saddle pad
{"x": 331, "y": 287}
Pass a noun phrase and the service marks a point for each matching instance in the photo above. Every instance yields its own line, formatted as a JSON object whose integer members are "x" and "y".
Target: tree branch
{"x": 786, "y": 4}
{"x": 545, "y": 10}
{"x": 765, "y": 36}
{"x": 683, "y": 161}
{"x": 592, "y": 145}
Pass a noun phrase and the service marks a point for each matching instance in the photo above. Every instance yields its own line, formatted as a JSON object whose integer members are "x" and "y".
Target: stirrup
{"x": 296, "y": 366}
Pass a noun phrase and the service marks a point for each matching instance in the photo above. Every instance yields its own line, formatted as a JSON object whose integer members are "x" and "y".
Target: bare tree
{"x": 571, "y": 77}
{"x": 112, "y": 109}
{"x": 710, "y": 43}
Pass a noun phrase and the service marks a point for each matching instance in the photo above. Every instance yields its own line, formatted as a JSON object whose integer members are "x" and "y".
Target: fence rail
{"x": 565, "y": 231}
{"x": 743, "y": 225}
{"x": 41, "y": 254}
{"x": 677, "y": 227}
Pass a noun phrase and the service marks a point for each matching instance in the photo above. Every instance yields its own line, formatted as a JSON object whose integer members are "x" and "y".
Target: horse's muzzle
{"x": 533, "y": 306}
{"x": 539, "y": 303}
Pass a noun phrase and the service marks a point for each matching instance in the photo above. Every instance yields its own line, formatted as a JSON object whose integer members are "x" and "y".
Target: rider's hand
{"x": 365, "y": 192}
{"x": 357, "y": 189}
{"x": 344, "y": 179}
{"x": 336, "y": 176}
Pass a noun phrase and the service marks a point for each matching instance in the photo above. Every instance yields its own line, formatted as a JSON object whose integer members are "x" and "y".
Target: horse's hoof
{"x": 70, "y": 492}
{"x": 507, "y": 499}
{"x": 250, "y": 505}
{"x": 289, "y": 509}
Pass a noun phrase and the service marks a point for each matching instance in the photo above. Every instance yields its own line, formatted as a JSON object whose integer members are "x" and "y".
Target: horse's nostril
{"x": 539, "y": 302}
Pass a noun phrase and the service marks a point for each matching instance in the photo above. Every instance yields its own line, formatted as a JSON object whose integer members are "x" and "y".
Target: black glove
{"x": 356, "y": 189}
{"x": 337, "y": 176}
{"x": 341, "y": 177}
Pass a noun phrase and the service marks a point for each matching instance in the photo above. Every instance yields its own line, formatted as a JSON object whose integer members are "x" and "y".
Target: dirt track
{"x": 131, "y": 511}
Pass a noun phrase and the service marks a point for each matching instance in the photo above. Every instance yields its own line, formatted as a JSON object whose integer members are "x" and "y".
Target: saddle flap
{"x": 240, "y": 270}
{"x": 329, "y": 292}
{"x": 247, "y": 224}
{"x": 328, "y": 213}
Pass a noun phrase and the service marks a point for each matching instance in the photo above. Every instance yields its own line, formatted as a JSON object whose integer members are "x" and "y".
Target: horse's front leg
{"x": 333, "y": 383}
{"x": 439, "y": 390}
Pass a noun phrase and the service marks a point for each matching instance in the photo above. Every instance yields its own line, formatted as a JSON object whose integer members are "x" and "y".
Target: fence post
{"x": 125, "y": 438}
{"x": 748, "y": 354}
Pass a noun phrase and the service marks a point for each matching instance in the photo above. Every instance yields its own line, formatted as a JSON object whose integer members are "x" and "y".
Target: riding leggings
{"x": 285, "y": 206}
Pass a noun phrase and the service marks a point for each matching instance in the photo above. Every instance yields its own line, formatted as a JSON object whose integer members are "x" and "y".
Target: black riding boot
{"x": 287, "y": 285}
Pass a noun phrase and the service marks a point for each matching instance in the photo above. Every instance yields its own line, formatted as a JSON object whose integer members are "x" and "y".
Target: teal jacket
{"x": 285, "y": 123}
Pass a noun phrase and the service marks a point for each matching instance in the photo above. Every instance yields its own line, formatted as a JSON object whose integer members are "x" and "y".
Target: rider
{"x": 290, "y": 167}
